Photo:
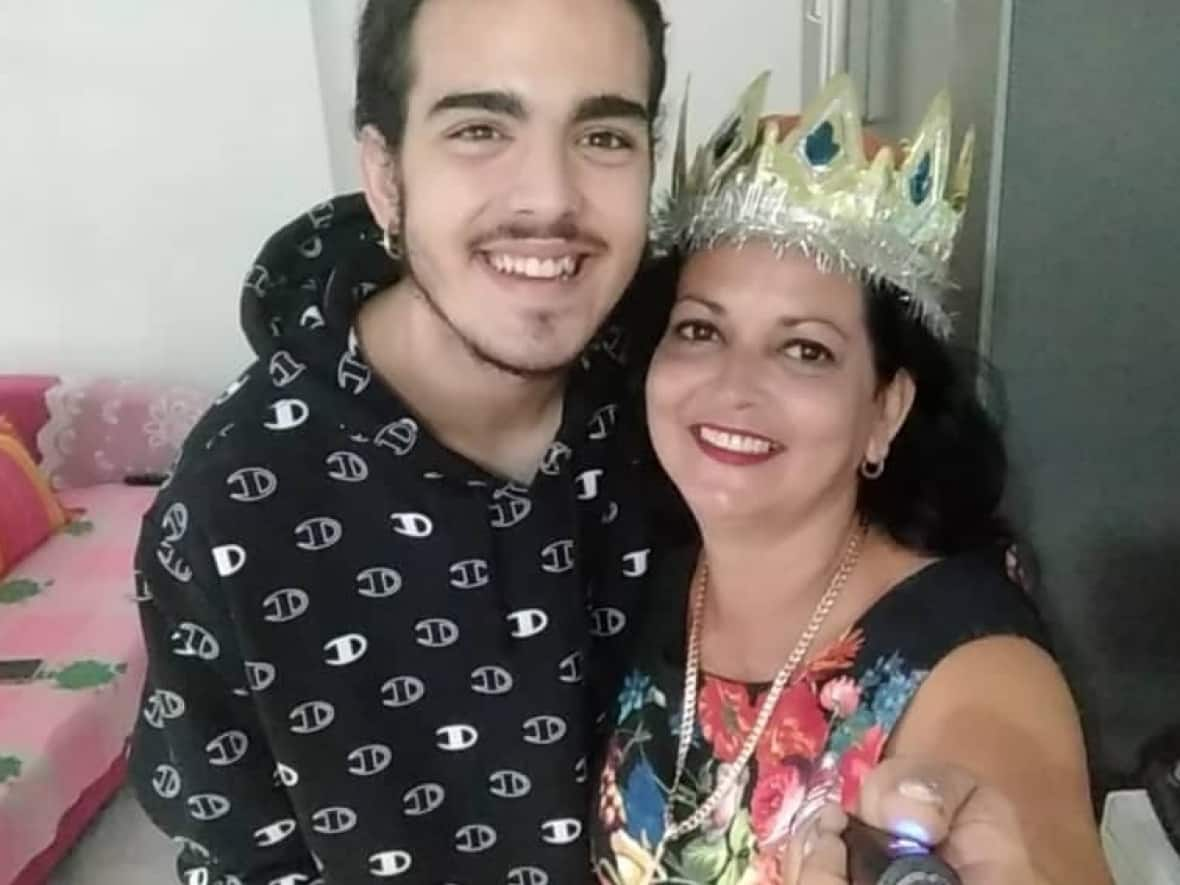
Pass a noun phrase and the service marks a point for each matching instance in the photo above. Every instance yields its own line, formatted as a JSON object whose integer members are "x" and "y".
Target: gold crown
{"x": 810, "y": 187}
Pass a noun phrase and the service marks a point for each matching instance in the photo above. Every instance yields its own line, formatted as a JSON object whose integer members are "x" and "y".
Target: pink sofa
{"x": 63, "y": 736}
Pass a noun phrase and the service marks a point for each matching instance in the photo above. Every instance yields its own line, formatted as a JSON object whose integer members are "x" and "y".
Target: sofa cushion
{"x": 72, "y": 604}
{"x": 103, "y": 430}
{"x": 29, "y": 511}
{"x": 22, "y": 402}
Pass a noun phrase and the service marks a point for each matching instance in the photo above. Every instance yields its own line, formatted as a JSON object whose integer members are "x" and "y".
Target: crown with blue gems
{"x": 809, "y": 187}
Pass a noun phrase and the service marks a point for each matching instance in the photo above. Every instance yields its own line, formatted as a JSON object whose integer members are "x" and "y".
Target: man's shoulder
{"x": 233, "y": 451}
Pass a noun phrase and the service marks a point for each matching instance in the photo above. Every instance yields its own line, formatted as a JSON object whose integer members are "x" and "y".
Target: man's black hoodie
{"x": 368, "y": 657}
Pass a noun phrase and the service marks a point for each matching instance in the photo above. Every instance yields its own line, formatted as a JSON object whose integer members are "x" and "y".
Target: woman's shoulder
{"x": 946, "y": 604}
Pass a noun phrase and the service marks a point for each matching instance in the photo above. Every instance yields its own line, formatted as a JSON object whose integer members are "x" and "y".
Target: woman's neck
{"x": 762, "y": 570}
{"x": 764, "y": 587}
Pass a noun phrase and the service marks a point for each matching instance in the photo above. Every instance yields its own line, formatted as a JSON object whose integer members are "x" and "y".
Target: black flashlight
{"x": 876, "y": 857}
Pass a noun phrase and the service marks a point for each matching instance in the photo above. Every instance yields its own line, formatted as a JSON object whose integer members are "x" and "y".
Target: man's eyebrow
{"x": 610, "y": 106}
{"x": 508, "y": 104}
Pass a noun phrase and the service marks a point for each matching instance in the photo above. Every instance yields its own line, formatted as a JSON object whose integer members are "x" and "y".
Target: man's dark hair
{"x": 385, "y": 72}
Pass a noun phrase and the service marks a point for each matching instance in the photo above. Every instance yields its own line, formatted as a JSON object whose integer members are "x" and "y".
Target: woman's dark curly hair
{"x": 944, "y": 478}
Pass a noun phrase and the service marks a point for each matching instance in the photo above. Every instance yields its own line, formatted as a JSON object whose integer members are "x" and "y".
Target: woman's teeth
{"x": 736, "y": 442}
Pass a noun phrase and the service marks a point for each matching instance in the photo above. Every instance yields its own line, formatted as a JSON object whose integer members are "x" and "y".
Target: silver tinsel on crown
{"x": 806, "y": 185}
{"x": 758, "y": 208}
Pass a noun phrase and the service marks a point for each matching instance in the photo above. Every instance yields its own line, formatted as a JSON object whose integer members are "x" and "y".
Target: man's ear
{"x": 378, "y": 178}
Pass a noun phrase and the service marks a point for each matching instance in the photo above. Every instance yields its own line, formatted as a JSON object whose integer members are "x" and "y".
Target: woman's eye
{"x": 808, "y": 352}
{"x": 694, "y": 330}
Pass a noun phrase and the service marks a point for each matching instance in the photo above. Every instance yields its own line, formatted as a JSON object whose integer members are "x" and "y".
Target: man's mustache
{"x": 563, "y": 229}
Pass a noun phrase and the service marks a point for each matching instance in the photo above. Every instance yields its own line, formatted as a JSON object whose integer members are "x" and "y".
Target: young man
{"x": 370, "y": 588}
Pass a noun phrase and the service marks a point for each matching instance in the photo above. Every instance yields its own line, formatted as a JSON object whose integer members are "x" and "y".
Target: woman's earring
{"x": 871, "y": 470}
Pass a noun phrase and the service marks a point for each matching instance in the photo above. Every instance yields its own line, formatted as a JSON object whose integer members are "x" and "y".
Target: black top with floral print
{"x": 828, "y": 730}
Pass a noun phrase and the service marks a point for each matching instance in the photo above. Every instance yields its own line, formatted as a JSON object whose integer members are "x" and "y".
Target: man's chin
{"x": 523, "y": 350}
{"x": 543, "y": 359}
{"x": 531, "y": 366}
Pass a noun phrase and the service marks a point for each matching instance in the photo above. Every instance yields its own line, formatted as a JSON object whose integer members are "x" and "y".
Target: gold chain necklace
{"x": 674, "y": 829}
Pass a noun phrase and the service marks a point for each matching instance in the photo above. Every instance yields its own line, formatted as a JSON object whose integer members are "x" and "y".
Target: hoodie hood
{"x": 289, "y": 282}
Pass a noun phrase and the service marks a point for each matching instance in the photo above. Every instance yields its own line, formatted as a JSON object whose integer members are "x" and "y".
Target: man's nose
{"x": 547, "y": 186}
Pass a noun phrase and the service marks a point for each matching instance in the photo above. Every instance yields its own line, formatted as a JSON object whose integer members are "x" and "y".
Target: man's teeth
{"x": 535, "y": 268}
{"x": 736, "y": 442}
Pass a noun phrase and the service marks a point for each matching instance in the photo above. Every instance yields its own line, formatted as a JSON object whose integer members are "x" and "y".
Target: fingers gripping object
{"x": 876, "y": 857}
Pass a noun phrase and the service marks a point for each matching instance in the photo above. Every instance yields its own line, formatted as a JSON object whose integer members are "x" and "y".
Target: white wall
{"x": 724, "y": 45}
{"x": 335, "y": 23}
{"x": 147, "y": 151}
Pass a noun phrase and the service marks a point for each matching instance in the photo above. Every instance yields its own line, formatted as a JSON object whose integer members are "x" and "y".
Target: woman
{"x": 845, "y": 603}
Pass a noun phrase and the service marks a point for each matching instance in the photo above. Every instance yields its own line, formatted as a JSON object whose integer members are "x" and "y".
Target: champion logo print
{"x": 318, "y": 534}
{"x": 412, "y": 525}
{"x": 588, "y": 483}
{"x": 436, "y": 633}
{"x": 555, "y": 458}
{"x": 423, "y": 799}
{"x": 558, "y": 558}
{"x": 603, "y": 422}
{"x": 378, "y": 582}
{"x": 491, "y": 680}
{"x": 287, "y": 414}
{"x": 285, "y": 605}
{"x": 470, "y": 574}
{"x": 607, "y": 622}
{"x": 352, "y": 374}
{"x": 400, "y": 437}
{"x": 250, "y": 485}
{"x": 635, "y": 563}
{"x": 475, "y": 838}
{"x": 369, "y": 760}
{"x": 286, "y": 775}
{"x": 562, "y": 831}
{"x": 387, "y": 864}
{"x": 285, "y": 369}
{"x": 257, "y": 281}
{"x": 208, "y": 806}
{"x": 312, "y": 717}
{"x": 456, "y": 738}
{"x": 312, "y": 318}
{"x": 345, "y": 650}
{"x": 334, "y": 821}
{"x": 228, "y": 749}
{"x": 508, "y": 784}
{"x": 347, "y": 467}
{"x": 510, "y": 507}
{"x": 173, "y": 563}
{"x": 166, "y": 782}
{"x": 277, "y": 832}
{"x": 402, "y": 691}
{"x": 175, "y": 523}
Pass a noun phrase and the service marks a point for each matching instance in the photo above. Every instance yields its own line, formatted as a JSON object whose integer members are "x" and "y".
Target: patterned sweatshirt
{"x": 369, "y": 657}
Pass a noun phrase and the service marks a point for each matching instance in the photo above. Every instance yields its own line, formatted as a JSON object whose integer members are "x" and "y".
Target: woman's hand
{"x": 974, "y": 827}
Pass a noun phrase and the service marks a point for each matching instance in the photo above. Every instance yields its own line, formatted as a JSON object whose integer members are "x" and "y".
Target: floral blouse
{"x": 829, "y": 729}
